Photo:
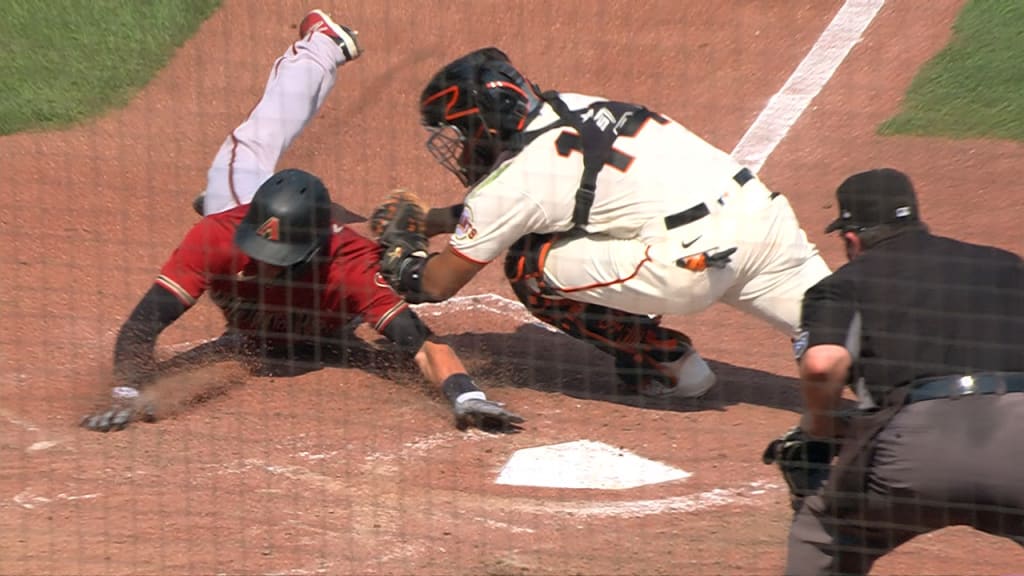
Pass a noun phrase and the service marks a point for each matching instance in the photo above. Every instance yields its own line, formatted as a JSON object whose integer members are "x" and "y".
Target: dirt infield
{"x": 354, "y": 468}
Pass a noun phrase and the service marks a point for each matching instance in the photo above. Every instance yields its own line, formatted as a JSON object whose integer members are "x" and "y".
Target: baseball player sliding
{"x": 268, "y": 251}
{"x": 612, "y": 215}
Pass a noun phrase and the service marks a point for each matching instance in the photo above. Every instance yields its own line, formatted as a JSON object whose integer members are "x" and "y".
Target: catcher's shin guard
{"x": 649, "y": 358}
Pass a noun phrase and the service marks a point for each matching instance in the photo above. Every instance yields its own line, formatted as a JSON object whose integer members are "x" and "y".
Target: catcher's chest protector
{"x": 597, "y": 127}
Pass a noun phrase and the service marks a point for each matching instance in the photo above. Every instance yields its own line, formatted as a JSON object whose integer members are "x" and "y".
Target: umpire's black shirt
{"x": 917, "y": 305}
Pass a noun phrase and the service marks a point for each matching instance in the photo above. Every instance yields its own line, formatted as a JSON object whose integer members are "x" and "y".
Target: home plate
{"x": 584, "y": 464}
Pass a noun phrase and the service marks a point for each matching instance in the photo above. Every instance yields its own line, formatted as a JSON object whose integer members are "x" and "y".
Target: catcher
{"x": 284, "y": 272}
{"x": 610, "y": 215}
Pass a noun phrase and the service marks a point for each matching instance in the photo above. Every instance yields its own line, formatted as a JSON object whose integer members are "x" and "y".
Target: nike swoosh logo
{"x": 242, "y": 277}
{"x": 690, "y": 243}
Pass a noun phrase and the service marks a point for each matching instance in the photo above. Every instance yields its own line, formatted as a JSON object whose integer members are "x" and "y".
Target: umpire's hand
{"x": 486, "y": 415}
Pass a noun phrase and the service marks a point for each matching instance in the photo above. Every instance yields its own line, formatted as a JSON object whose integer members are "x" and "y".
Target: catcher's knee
{"x": 524, "y": 264}
{"x": 524, "y": 269}
{"x": 649, "y": 359}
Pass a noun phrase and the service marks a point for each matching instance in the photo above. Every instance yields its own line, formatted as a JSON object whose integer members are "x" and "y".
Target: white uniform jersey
{"x": 664, "y": 196}
{"x": 668, "y": 169}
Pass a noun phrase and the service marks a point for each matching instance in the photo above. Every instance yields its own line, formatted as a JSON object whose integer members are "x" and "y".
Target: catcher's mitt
{"x": 403, "y": 211}
{"x": 804, "y": 462}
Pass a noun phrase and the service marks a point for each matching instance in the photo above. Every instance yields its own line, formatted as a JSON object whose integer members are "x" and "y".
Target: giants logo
{"x": 271, "y": 229}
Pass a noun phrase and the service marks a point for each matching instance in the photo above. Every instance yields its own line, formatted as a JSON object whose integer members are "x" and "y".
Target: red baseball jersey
{"x": 320, "y": 301}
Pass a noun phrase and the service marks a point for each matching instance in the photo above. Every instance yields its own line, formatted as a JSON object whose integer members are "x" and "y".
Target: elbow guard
{"x": 407, "y": 331}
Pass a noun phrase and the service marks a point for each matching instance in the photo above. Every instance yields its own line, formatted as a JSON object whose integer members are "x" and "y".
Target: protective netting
{"x": 341, "y": 457}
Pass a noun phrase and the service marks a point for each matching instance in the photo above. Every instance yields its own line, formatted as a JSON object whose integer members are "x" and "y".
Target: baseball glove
{"x": 400, "y": 226}
{"x": 804, "y": 462}
{"x": 403, "y": 210}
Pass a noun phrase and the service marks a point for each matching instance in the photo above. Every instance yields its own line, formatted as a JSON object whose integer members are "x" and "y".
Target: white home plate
{"x": 584, "y": 464}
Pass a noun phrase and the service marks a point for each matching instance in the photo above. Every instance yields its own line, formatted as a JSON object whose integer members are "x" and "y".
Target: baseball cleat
{"x": 319, "y": 21}
{"x": 198, "y": 203}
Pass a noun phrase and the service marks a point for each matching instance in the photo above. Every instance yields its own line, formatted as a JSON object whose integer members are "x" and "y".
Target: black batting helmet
{"x": 475, "y": 108}
{"x": 288, "y": 221}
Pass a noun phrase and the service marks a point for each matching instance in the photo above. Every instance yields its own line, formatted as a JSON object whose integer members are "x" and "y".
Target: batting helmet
{"x": 288, "y": 221}
{"x": 475, "y": 108}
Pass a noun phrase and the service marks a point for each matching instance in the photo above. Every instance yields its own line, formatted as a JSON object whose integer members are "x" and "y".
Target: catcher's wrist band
{"x": 457, "y": 386}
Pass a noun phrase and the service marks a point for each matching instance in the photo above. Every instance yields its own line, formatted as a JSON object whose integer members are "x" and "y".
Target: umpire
{"x": 930, "y": 333}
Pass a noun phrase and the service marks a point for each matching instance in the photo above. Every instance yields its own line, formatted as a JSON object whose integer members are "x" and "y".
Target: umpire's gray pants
{"x": 938, "y": 463}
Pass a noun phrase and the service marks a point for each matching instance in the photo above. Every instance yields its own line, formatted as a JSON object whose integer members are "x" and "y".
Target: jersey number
{"x": 568, "y": 142}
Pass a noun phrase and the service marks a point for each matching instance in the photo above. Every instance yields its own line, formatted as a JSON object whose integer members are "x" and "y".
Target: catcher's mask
{"x": 289, "y": 220}
{"x": 475, "y": 108}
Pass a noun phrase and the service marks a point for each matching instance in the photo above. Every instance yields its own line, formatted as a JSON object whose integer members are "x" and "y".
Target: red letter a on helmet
{"x": 270, "y": 229}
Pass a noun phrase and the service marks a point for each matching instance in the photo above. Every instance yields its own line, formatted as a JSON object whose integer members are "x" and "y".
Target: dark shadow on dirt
{"x": 295, "y": 359}
{"x": 539, "y": 359}
{"x": 532, "y": 357}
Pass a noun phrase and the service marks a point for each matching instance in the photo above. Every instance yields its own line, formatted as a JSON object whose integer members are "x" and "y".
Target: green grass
{"x": 975, "y": 86}
{"x": 68, "y": 60}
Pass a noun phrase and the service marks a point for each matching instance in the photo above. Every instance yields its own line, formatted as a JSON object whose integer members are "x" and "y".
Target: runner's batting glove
{"x": 126, "y": 407}
{"x": 486, "y": 415}
{"x": 472, "y": 408}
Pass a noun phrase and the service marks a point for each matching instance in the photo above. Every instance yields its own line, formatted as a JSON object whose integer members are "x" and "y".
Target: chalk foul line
{"x": 785, "y": 107}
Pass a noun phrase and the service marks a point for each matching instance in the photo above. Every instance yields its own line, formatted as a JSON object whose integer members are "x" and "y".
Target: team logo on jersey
{"x": 800, "y": 344}
{"x": 464, "y": 230}
{"x": 271, "y": 229}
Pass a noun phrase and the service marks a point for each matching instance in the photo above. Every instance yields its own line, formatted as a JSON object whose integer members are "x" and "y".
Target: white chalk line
{"x": 417, "y": 448}
{"x": 29, "y": 427}
{"x": 486, "y": 302}
{"x": 785, "y": 107}
{"x": 23, "y": 424}
{"x": 747, "y": 495}
{"x": 30, "y": 500}
{"x": 750, "y": 494}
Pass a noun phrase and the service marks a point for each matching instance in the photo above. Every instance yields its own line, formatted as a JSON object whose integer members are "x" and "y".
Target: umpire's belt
{"x": 701, "y": 210}
{"x": 965, "y": 385}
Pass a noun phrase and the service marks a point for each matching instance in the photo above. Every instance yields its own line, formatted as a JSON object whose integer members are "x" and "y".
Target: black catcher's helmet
{"x": 288, "y": 221}
{"x": 475, "y": 108}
